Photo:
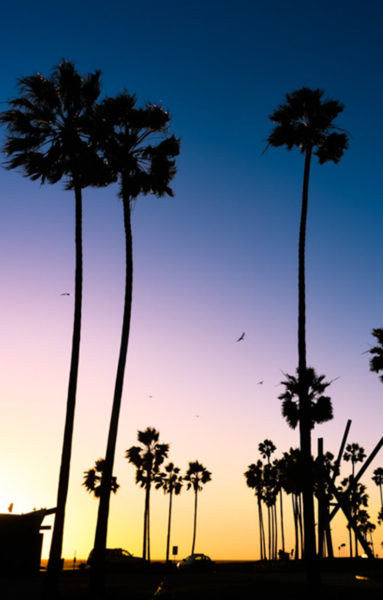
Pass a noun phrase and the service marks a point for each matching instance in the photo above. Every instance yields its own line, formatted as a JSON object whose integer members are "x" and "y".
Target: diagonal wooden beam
{"x": 360, "y": 473}
{"x": 341, "y": 449}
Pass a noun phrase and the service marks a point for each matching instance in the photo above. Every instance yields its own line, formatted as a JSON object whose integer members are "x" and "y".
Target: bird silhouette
{"x": 241, "y": 337}
{"x": 65, "y": 294}
{"x": 260, "y": 382}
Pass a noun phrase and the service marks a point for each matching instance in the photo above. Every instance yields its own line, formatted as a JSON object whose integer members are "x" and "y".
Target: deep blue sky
{"x": 219, "y": 257}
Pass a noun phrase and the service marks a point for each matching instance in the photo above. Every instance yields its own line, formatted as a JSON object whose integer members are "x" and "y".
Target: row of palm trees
{"x": 148, "y": 459}
{"x": 58, "y": 129}
{"x": 270, "y": 479}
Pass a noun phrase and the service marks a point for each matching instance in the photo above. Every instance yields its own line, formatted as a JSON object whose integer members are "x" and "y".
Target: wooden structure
{"x": 21, "y": 541}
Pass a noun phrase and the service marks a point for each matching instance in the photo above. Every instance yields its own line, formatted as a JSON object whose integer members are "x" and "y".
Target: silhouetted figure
{"x": 241, "y": 337}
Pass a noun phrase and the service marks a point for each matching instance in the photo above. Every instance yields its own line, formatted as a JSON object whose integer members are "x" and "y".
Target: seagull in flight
{"x": 65, "y": 294}
{"x": 241, "y": 337}
{"x": 260, "y": 382}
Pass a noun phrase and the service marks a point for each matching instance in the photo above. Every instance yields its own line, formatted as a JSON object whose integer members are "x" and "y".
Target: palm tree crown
{"x": 196, "y": 476}
{"x": 93, "y": 478}
{"x": 148, "y": 457}
{"x": 376, "y": 362}
{"x": 122, "y": 134}
{"x": 306, "y": 121}
{"x": 50, "y": 124}
{"x": 320, "y": 405}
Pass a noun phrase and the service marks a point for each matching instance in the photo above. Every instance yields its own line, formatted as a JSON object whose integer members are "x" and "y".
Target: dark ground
{"x": 342, "y": 579}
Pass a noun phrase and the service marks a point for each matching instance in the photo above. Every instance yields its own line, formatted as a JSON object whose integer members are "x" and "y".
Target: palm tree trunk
{"x": 269, "y": 532}
{"x": 145, "y": 534}
{"x": 304, "y": 407}
{"x": 282, "y": 524}
{"x": 276, "y": 529}
{"x": 195, "y": 520}
{"x": 96, "y": 580}
{"x": 169, "y": 525}
{"x": 148, "y": 527}
{"x": 54, "y": 564}
{"x": 295, "y": 514}
{"x": 260, "y": 527}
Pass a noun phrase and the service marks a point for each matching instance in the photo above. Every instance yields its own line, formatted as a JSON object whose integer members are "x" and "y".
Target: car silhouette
{"x": 196, "y": 562}
{"x": 118, "y": 558}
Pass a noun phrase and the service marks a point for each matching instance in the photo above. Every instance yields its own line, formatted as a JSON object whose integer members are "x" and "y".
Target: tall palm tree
{"x": 49, "y": 125}
{"x": 376, "y": 362}
{"x": 196, "y": 477}
{"x": 140, "y": 155}
{"x": 147, "y": 459}
{"x": 93, "y": 477}
{"x": 306, "y": 121}
{"x": 170, "y": 481}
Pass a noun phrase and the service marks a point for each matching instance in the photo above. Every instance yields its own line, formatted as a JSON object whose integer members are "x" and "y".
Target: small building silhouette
{"x": 21, "y": 541}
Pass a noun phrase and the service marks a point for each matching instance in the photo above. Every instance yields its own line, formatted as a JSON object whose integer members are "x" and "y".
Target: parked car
{"x": 196, "y": 562}
{"x": 119, "y": 558}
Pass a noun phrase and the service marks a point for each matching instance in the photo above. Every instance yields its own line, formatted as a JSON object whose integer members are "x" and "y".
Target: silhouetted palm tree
{"x": 354, "y": 493}
{"x": 254, "y": 480}
{"x": 306, "y": 121}
{"x": 196, "y": 476}
{"x": 355, "y": 454}
{"x": 378, "y": 479}
{"x": 49, "y": 125}
{"x": 147, "y": 459}
{"x": 93, "y": 478}
{"x": 290, "y": 474}
{"x": 320, "y": 407}
{"x": 266, "y": 449}
{"x": 125, "y": 136}
{"x": 376, "y": 362}
{"x": 270, "y": 492}
{"x": 171, "y": 482}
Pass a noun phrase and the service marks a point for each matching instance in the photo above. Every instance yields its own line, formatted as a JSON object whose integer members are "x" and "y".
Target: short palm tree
{"x": 377, "y": 478}
{"x": 196, "y": 476}
{"x": 376, "y": 362}
{"x": 135, "y": 144}
{"x": 93, "y": 477}
{"x": 170, "y": 481}
{"x": 254, "y": 480}
{"x": 355, "y": 454}
{"x": 147, "y": 459}
{"x": 266, "y": 449}
{"x": 305, "y": 121}
{"x": 49, "y": 125}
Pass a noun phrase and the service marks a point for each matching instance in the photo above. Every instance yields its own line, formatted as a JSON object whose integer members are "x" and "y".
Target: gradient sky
{"x": 217, "y": 259}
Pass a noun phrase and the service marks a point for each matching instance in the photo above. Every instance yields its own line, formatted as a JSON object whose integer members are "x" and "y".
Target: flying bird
{"x": 260, "y": 382}
{"x": 65, "y": 294}
{"x": 241, "y": 337}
